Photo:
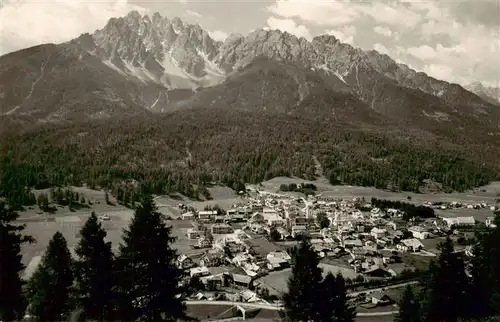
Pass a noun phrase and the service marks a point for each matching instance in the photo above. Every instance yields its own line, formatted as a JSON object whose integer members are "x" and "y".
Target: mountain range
{"x": 488, "y": 93}
{"x": 153, "y": 68}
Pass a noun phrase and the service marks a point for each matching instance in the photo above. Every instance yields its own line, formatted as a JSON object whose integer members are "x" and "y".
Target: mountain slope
{"x": 152, "y": 56}
{"x": 489, "y": 94}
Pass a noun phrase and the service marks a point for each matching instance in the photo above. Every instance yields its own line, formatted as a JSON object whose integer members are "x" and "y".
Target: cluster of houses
{"x": 243, "y": 244}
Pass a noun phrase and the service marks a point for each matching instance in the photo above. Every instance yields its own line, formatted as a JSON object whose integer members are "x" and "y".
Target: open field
{"x": 69, "y": 222}
{"x": 222, "y": 196}
{"x": 70, "y": 225}
{"x": 209, "y": 312}
{"x": 276, "y": 282}
{"x": 486, "y": 194}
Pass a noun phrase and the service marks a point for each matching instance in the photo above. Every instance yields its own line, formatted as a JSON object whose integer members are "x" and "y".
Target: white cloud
{"x": 382, "y": 30}
{"x": 345, "y": 34}
{"x": 424, "y": 52}
{"x": 435, "y": 38}
{"x": 428, "y": 9}
{"x": 218, "y": 35}
{"x": 381, "y": 48}
{"x": 337, "y": 13}
{"x": 395, "y": 14}
{"x": 290, "y": 26}
{"x": 331, "y": 13}
{"x": 29, "y": 23}
{"x": 194, "y": 13}
{"x": 439, "y": 71}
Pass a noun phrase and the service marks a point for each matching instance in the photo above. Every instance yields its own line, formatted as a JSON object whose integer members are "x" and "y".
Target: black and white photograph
{"x": 250, "y": 160}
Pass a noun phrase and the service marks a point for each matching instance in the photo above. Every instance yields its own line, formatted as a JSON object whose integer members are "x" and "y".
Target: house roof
{"x": 241, "y": 278}
{"x": 412, "y": 242}
{"x": 379, "y": 295}
{"x": 354, "y": 242}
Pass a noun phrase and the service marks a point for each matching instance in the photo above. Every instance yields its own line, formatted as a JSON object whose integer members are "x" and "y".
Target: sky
{"x": 453, "y": 40}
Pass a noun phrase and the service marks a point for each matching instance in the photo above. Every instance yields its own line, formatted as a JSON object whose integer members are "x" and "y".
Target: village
{"x": 236, "y": 247}
{"x": 241, "y": 254}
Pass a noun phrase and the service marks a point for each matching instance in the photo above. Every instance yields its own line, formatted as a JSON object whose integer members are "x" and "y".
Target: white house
{"x": 277, "y": 260}
{"x": 218, "y": 229}
{"x": 199, "y": 271}
{"x": 410, "y": 245}
{"x": 271, "y": 217}
{"x": 419, "y": 232}
{"x": 194, "y": 233}
{"x": 206, "y": 215}
{"x": 188, "y": 216}
{"x": 378, "y": 232}
{"x": 460, "y": 221}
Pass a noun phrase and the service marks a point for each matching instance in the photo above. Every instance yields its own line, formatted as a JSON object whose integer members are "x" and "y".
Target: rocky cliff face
{"x": 155, "y": 63}
{"x": 179, "y": 55}
{"x": 168, "y": 52}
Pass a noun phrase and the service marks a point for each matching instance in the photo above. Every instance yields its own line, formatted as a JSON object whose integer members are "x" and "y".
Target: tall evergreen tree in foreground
{"x": 409, "y": 307}
{"x": 50, "y": 286}
{"x": 94, "y": 272}
{"x": 148, "y": 278}
{"x": 333, "y": 301}
{"x": 302, "y": 299}
{"x": 445, "y": 295}
{"x": 11, "y": 239}
{"x": 485, "y": 290}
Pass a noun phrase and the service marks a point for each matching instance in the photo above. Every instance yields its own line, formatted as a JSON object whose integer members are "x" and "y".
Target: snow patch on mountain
{"x": 210, "y": 66}
{"x": 156, "y": 102}
{"x": 108, "y": 63}
{"x": 336, "y": 73}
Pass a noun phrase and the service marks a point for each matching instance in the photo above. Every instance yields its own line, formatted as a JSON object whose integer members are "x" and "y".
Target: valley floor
{"x": 42, "y": 227}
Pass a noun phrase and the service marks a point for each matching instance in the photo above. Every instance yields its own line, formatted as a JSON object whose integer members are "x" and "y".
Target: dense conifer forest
{"x": 179, "y": 153}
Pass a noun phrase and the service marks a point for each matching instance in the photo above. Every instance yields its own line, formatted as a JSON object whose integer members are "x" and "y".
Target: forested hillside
{"x": 186, "y": 151}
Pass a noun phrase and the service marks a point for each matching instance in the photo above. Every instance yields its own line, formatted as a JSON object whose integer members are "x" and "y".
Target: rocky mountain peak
{"x": 177, "y": 54}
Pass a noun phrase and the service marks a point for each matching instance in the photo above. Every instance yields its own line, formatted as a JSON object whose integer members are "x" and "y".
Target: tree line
{"x": 304, "y": 187}
{"x": 409, "y": 210}
{"x": 140, "y": 282}
{"x": 232, "y": 149}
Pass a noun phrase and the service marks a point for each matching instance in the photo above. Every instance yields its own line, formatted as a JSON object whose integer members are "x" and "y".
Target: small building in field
{"x": 187, "y": 216}
{"x": 193, "y": 233}
{"x": 381, "y": 299}
{"x": 207, "y": 215}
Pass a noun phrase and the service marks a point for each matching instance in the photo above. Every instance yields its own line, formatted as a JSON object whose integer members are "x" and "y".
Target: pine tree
{"x": 301, "y": 302}
{"x": 274, "y": 234}
{"x": 94, "y": 272}
{"x": 43, "y": 202}
{"x": 11, "y": 239}
{"x": 148, "y": 277}
{"x": 334, "y": 305}
{"x": 485, "y": 271}
{"x": 50, "y": 286}
{"x": 126, "y": 198}
{"x": 409, "y": 307}
{"x": 445, "y": 296}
